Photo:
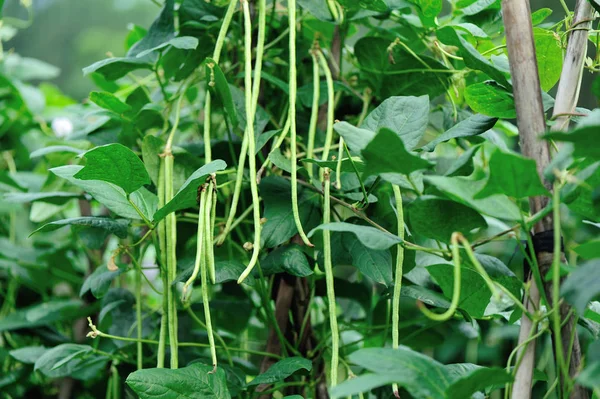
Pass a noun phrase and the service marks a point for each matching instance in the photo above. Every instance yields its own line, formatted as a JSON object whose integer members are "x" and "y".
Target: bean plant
{"x": 303, "y": 199}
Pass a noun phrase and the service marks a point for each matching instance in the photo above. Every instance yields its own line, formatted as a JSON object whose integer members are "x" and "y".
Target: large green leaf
{"x": 111, "y": 196}
{"x": 117, "y": 227}
{"x": 196, "y": 381}
{"x": 28, "y": 354}
{"x": 162, "y": 30}
{"x": 373, "y": 263}
{"x": 582, "y": 285}
{"x": 55, "y": 198}
{"x": 355, "y": 138}
{"x": 590, "y": 376}
{"x": 463, "y": 189}
{"x": 99, "y": 281}
{"x": 477, "y": 380}
{"x": 116, "y": 164}
{"x": 474, "y": 293}
{"x": 491, "y": 99}
{"x": 429, "y": 8}
{"x": 71, "y": 360}
{"x": 406, "y": 116}
{"x": 549, "y": 55}
{"x": 181, "y": 42}
{"x": 584, "y": 137}
{"x": 386, "y": 155}
{"x": 280, "y": 227}
{"x": 371, "y": 237}
{"x": 438, "y": 218}
{"x": 512, "y": 175}
{"x": 420, "y": 375}
{"x": 117, "y": 67}
{"x": 472, "y": 7}
{"x": 218, "y": 83}
{"x": 289, "y": 259}
{"x": 392, "y": 71}
{"x": 109, "y": 101}
{"x": 472, "y": 126}
{"x": 42, "y": 314}
{"x": 282, "y": 369}
{"x": 188, "y": 193}
{"x": 472, "y": 58}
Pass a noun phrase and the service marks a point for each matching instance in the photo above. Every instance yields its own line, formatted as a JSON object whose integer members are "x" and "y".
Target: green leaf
{"x": 281, "y": 370}
{"x": 472, "y": 58}
{"x": 109, "y": 101}
{"x": 438, "y": 218}
{"x": 116, "y": 68}
{"x": 425, "y": 295}
{"x": 584, "y": 137}
{"x": 549, "y": 55}
{"x": 371, "y": 237}
{"x": 539, "y": 16}
{"x": 477, "y": 380}
{"x": 374, "y": 5}
{"x": 289, "y": 259}
{"x": 355, "y": 138}
{"x": 590, "y": 376}
{"x": 406, "y": 116}
{"x": 472, "y": 7}
{"x": 474, "y": 293}
{"x": 117, "y": 227}
{"x": 218, "y": 84}
{"x": 99, "y": 281}
{"x": 51, "y": 311}
{"x": 582, "y": 285}
{"x": 317, "y": 9}
{"x": 71, "y": 360}
{"x": 420, "y": 375}
{"x": 375, "y": 264}
{"x": 512, "y": 175}
{"x": 280, "y": 227}
{"x": 345, "y": 167}
{"x": 230, "y": 270}
{"x": 196, "y": 381}
{"x": 463, "y": 190}
{"x": 188, "y": 193}
{"x": 386, "y": 155}
{"x": 181, "y": 42}
{"x": 116, "y": 164}
{"x": 28, "y": 354}
{"x": 54, "y": 149}
{"x": 428, "y": 8}
{"x": 162, "y": 30}
{"x": 152, "y": 147}
{"x": 109, "y": 195}
{"x": 55, "y": 198}
{"x": 472, "y": 126}
{"x": 491, "y": 99}
{"x": 394, "y": 71}
{"x": 589, "y": 249}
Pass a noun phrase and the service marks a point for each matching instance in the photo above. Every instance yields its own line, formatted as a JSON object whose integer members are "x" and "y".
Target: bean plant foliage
{"x": 299, "y": 198}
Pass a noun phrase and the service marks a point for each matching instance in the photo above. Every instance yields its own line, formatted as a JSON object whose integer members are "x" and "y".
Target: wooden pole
{"x": 531, "y": 123}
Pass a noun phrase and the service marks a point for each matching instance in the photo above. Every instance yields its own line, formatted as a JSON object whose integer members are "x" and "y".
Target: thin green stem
{"x": 335, "y": 336}
{"x": 398, "y": 276}
{"x": 251, "y": 143}
{"x": 338, "y": 168}
{"x": 211, "y": 231}
{"x": 561, "y": 366}
{"x": 217, "y": 336}
{"x": 139, "y": 212}
{"x": 357, "y": 173}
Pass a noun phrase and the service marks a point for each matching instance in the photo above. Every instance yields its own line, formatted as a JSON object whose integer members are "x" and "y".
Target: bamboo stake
{"x": 530, "y": 119}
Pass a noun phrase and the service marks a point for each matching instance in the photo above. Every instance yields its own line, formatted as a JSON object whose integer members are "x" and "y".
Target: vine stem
{"x": 250, "y": 138}
{"x": 292, "y": 115}
{"x": 335, "y": 336}
{"x": 456, "y": 291}
{"x": 398, "y": 276}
